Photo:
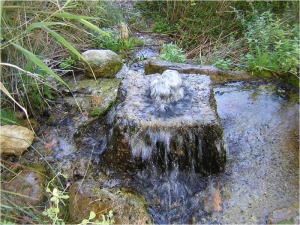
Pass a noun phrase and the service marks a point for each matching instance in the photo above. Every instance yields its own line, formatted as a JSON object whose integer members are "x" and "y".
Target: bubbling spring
{"x": 166, "y": 89}
{"x": 164, "y": 122}
{"x": 168, "y": 138}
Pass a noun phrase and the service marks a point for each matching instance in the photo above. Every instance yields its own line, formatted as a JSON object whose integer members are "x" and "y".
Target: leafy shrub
{"x": 160, "y": 26}
{"x": 117, "y": 44}
{"x": 224, "y": 64}
{"x": 273, "y": 45}
{"x": 172, "y": 52}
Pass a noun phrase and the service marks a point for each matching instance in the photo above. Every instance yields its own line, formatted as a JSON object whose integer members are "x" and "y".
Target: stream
{"x": 261, "y": 174}
{"x": 261, "y": 139}
{"x": 252, "y": 125}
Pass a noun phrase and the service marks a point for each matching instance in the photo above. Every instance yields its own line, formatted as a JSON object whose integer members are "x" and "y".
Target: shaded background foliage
{"x": 231, "y": 34}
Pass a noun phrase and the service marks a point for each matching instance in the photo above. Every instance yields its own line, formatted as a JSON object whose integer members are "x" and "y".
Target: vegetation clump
{"x": 261, "y": 37}
{"x": 171, "y": 52}
{"x": 273, "y": 45}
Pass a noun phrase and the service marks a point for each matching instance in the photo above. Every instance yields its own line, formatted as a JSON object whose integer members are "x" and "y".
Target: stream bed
{"x": 261, "y": 175}
{"x": 261, "y": 139}
{"x": 261, "y": 134}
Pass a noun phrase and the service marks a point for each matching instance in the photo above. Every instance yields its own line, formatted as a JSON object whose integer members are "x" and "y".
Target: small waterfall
{"x": 168, "y": 137}
{"x": 166, "y": 121}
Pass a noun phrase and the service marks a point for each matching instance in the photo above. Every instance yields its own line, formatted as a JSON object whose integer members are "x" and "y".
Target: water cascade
{"x": 166, "y": 122}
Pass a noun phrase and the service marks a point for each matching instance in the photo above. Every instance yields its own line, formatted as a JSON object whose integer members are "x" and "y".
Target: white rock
{"x": 15, "y": 139}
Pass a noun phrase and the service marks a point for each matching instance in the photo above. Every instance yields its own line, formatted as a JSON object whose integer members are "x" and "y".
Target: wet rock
{"x": 212, "y": 198}
{"x": 104, "y": 63}
{"x": 76, "y": 168}
{"x": 15, "y": 139}
{"x": 288, "y": 215}
{"x": 86, "y": 196}
{"x": 96, "y": 97}
{"x": 217, "y": 75}
{"x": 186, "y": 135}
{"x": 122, "y": 73}
{"x": 27, "y": 188}
{"x": 145, "y": 52}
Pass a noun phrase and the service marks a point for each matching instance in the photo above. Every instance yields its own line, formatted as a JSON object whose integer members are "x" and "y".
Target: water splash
{"x": 166, "y": 89}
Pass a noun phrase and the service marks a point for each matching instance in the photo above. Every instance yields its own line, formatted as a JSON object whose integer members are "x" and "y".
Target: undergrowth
{"x": 53, "y": 211}
{"x": 171, "y": 52}
{"x": 40, "y": 41}
{"x": 261, "y": 37}
{"x": 273, "y": 45}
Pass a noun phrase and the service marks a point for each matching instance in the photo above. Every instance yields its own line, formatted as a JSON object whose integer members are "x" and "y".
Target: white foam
{"x": 167, "y": 88}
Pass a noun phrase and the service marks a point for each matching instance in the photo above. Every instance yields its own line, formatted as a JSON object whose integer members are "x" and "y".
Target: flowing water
{"x": 262, "y": 169}
{"x": 262, "y": 172}
{"x": 261, "y": 138}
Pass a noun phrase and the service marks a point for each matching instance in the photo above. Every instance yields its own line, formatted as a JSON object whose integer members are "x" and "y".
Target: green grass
{"x": 260, "y": 37}
{"x": 32, "y": 33}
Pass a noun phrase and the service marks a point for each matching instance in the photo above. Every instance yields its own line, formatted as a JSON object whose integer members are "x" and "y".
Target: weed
{"x": 224, "y": 64}
{"x": 8, "y": 116}
{"x": 171, "y": 52}
{"x": 117, "y": 44}
{"x": 30, "y": 27}
{"x": 57, "y": 206}
{"x": 106, "y": 220}
{"x": 273, "y": 45}
{"x": 67, "y": 63}
{"x": 161, "y": 26}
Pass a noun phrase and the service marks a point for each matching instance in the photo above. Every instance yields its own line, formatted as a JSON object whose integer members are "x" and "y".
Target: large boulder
{"x": 15, "y": 139}
{"x": 104, "y": 63}
{"x": 151, "y": 131}
{"x": 128, "y": 207}
{"x": 217, "y": 75}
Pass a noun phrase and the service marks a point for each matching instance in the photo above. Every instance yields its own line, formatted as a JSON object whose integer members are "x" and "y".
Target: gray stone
{"x": 27, "y": 188}
{"x": 15, "y": 139}
{"x": 128, "y": 207}
{"x": 217, "y": 75}
{"x": 95, "y": 97}
{"x": 104, "y": 63}
{"x": 285, "y": 215}
{"x": 187, "y": 135}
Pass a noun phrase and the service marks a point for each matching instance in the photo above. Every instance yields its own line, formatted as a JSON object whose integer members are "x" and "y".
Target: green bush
{"x": 117, "y": 44}
{"x": 161, "y": 27}
{"x": 273, "y": 45}
{"x": 172, "y": 52}
{"x": 224, "y": 64}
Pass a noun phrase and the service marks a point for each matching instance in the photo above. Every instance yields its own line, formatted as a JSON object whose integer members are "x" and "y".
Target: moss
{"x": 291, "y": 221}
{"x": 109, "y": 86}
{"x": 101, "y": 111}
